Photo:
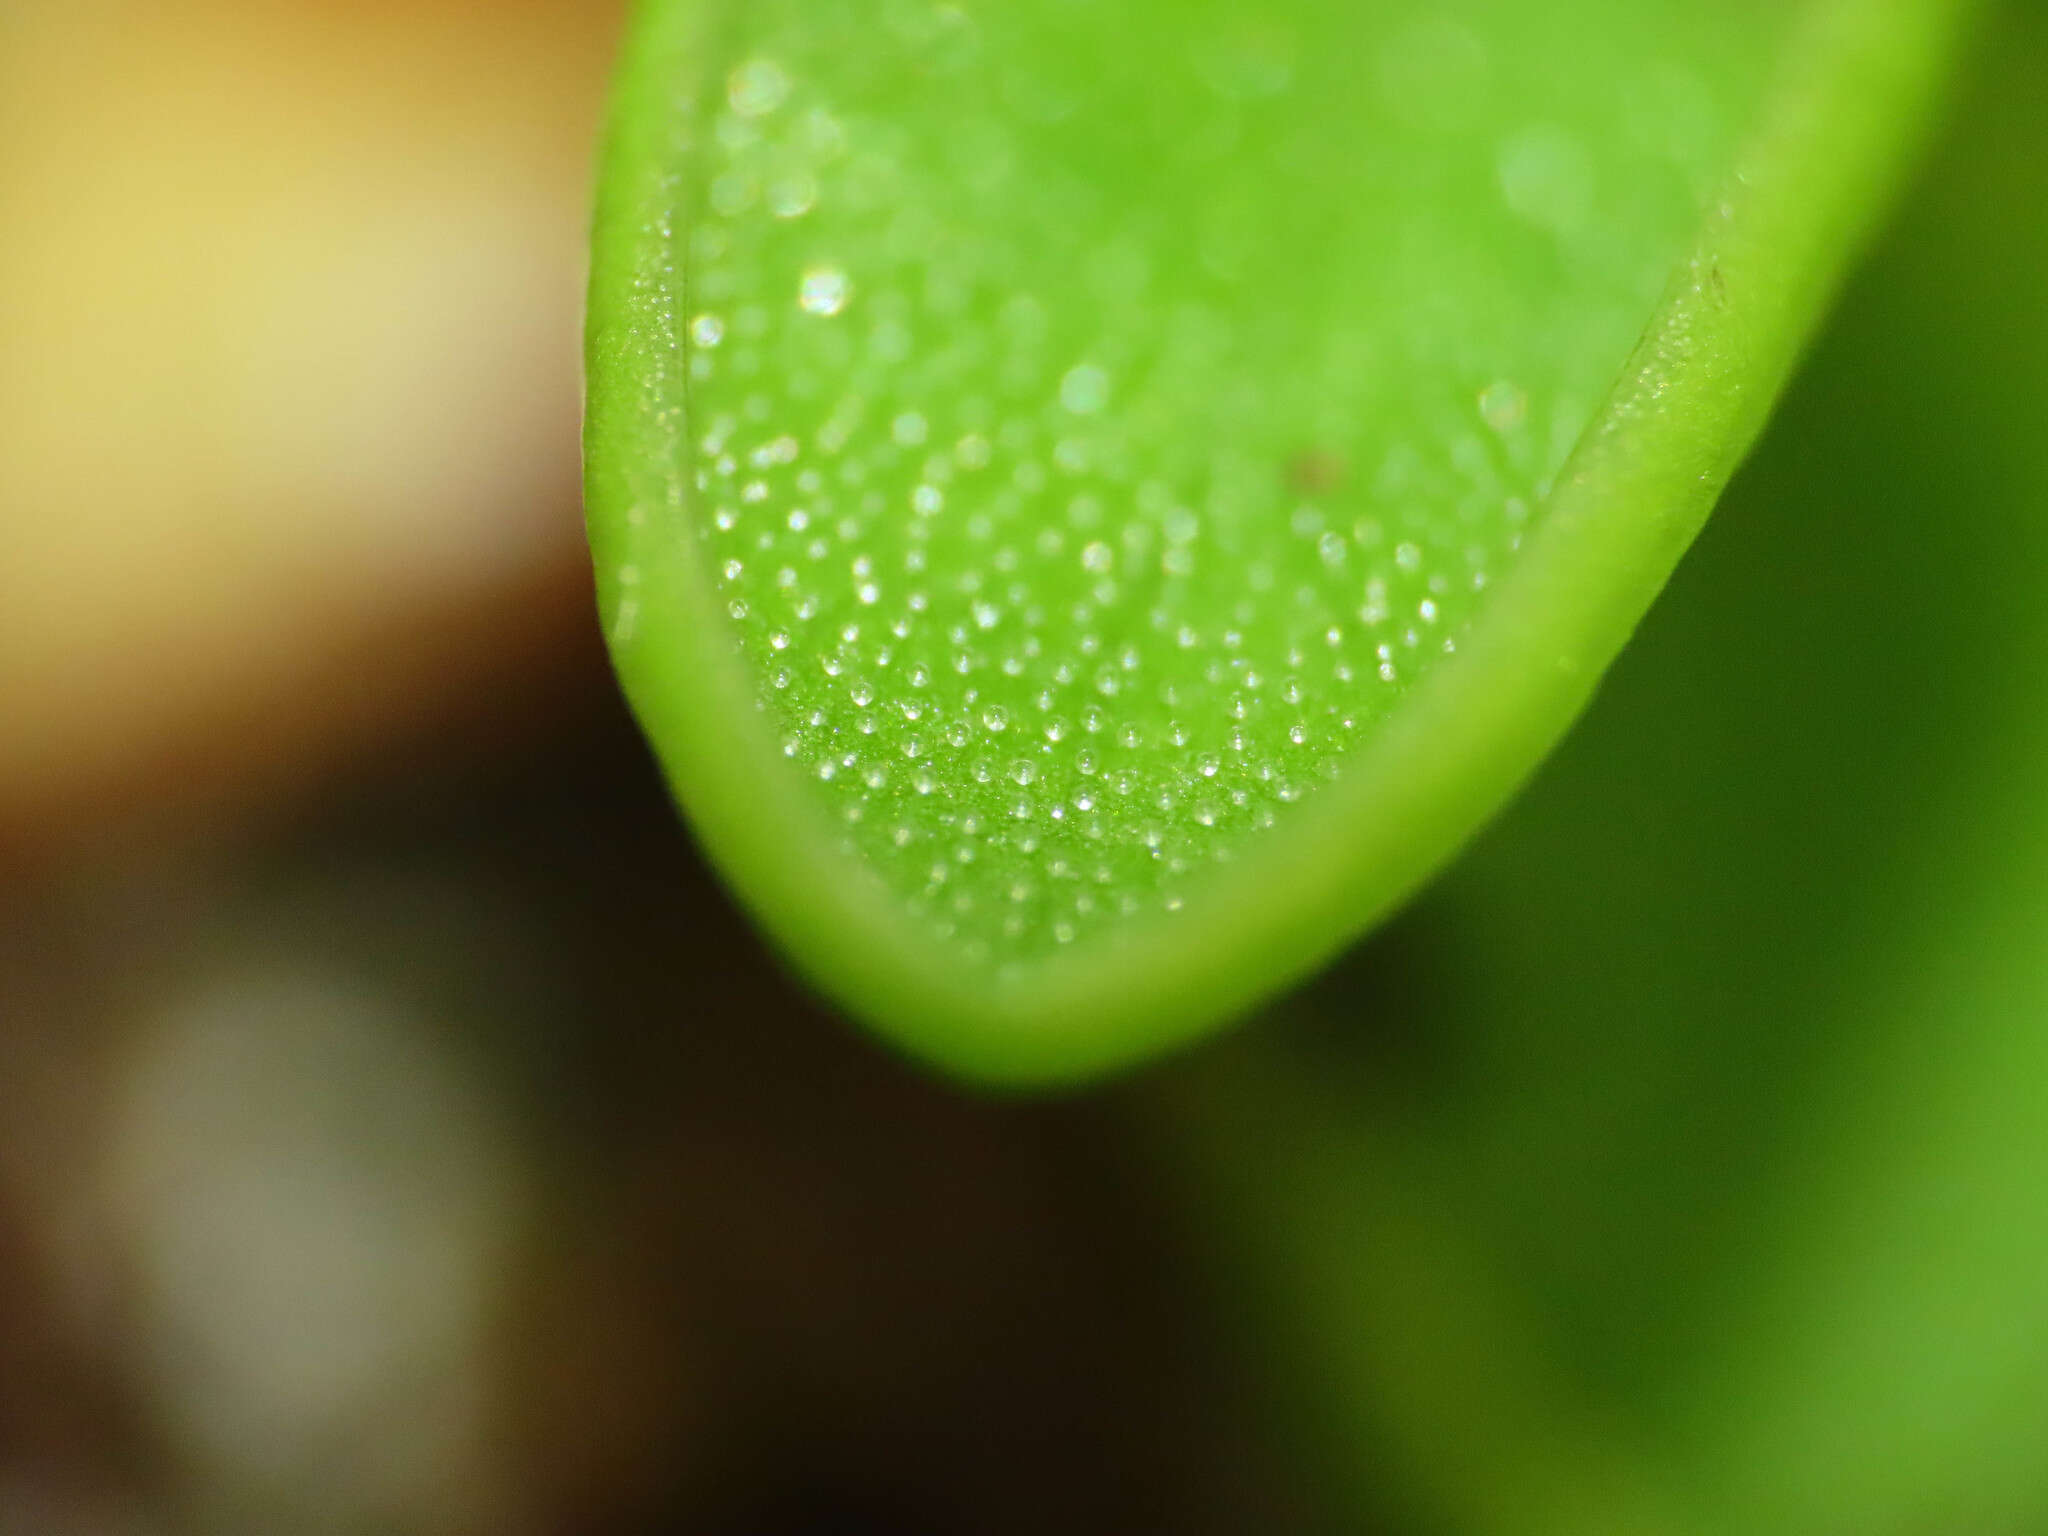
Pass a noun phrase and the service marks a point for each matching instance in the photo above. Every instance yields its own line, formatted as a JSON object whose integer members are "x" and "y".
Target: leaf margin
{"x": 1849, "y": 106}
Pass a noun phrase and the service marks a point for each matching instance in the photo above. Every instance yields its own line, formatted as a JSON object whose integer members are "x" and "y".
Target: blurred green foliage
{"x": 1681, "y": 1162}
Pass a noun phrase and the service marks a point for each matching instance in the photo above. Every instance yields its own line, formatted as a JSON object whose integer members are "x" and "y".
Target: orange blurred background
{"x": 290, "y": 295}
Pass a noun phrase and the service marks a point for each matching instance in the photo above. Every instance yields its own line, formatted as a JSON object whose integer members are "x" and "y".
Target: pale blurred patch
{"x": 289, "y": 302}
{"x": 319, "y": 1203}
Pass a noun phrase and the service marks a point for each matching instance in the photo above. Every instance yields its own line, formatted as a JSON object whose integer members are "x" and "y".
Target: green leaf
{"x": 1094, "y": 503}
{"x": 1678, "y": 1166}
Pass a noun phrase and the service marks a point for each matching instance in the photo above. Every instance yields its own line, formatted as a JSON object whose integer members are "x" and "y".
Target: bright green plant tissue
{"x": 1678, "y": 1165}
{"x": 1093, "y": 503}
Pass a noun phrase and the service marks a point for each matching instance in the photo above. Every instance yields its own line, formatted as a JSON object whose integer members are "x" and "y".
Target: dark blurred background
{"x": 399, "y": 1130}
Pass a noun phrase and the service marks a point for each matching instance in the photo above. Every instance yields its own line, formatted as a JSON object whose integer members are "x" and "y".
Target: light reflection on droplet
{"x": 824, "y": 291}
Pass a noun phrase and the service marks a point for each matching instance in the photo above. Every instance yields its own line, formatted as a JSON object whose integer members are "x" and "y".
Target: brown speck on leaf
{"x": 1316, "y": 472}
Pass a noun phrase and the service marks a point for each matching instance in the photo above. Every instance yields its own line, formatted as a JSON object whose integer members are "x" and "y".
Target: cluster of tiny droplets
{"x": 1054, "y": 605}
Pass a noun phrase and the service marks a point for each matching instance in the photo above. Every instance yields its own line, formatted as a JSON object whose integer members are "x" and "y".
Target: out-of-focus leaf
{"x": 1094, "y": 503}
{"x": 1679, "y": 1166}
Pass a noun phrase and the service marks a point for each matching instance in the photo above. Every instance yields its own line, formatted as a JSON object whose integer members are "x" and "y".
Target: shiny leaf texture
{"x": 1094, "y": 503}
{"x": 1676, "y": 1166}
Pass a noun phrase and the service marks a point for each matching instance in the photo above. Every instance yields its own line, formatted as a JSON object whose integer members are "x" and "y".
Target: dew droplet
{"x": 1503, "y": 406}
{"x": 824, "y": 291}
{"x": 791, "y": 197}
{"x": 757, "y": 88}
{"x": 1085, "y": 389}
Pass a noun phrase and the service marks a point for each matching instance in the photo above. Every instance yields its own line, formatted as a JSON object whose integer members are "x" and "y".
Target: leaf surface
{"x": 1676, "y": 1166}
{"x": 1094, "y": 503}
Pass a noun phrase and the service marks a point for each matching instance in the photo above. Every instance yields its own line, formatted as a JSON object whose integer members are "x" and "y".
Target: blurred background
{"x": 400, "y": 1131}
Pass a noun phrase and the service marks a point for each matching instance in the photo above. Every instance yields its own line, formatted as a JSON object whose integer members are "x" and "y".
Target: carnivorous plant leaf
{"x": 1676, "y": 1166}
{"x": 1094, "y": 503}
